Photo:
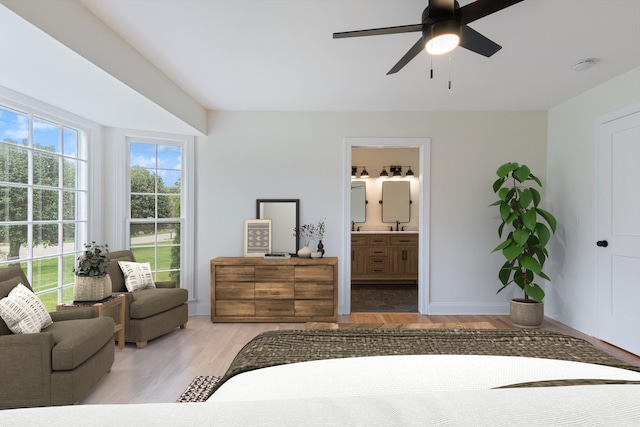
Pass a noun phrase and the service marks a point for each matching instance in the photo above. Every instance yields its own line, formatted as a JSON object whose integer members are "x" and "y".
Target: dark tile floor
{"x": 384, "y": 298}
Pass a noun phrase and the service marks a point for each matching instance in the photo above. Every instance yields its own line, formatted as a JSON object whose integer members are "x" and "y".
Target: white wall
{"x": 571, "y": 176}
{"x": 251, "y": 155}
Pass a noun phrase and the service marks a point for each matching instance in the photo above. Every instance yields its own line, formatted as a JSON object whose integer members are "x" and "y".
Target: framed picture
{"x": 257, "y": 237}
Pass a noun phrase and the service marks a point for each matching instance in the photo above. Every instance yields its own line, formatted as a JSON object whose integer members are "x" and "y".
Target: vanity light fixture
{"x": 396, "y": 171}
{"x": 384, "y": 172}
{"x": 363, "y": 174}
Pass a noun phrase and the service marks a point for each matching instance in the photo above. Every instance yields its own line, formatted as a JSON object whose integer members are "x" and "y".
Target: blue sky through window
{"x": 165, "y": 160}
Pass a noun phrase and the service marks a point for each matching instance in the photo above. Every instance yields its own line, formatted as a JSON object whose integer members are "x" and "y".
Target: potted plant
{"x": 527, "y": 229}
{"x": 92, "y": 281}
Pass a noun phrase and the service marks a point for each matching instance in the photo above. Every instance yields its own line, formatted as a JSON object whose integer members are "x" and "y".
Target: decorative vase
{"x": 304, "y": 252}
{"x": 92, "y": 288}
{"x": 320, "y": 247}
{"x": 526, "y": 314}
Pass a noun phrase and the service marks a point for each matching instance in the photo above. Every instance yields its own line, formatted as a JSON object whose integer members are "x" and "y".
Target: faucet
{"x": 353, "y": 223}
{"x": 397, "y": 224}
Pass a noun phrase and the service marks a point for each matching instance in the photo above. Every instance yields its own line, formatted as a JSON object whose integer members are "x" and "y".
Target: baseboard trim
{"x": 470, "y": 308}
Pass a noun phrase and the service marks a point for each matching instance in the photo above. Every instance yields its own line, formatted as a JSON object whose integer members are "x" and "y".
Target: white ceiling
{"x": 280, "y": 55}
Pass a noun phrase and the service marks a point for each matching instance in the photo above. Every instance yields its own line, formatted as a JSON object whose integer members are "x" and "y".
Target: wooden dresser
{"x": 384, "y": 258}
{"x": 263, "y": 290}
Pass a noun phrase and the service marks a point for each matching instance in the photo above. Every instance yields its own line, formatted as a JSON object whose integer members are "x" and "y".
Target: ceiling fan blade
{"x": 379, "y": 31}
{"x": 415, "y": 50}
{"x": 476, "y": 42}
{"x": 481, "y": 8}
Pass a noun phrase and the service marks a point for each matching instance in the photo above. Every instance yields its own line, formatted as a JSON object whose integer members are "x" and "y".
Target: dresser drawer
{"x": 312, "y": 308}
{"x": 270, "y": 308}
{"x": 278, "y": 290}
{"x": 235, "y": 308}
{"x": 312, "y": 290}
{"x": 234, "y": 290}
{"x": 234, "y": 273}
{"x": 280, "y": 273}
{"x": 310, "y": 273}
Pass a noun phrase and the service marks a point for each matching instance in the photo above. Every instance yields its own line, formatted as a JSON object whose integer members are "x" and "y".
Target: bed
{"x": 395, "y": 377}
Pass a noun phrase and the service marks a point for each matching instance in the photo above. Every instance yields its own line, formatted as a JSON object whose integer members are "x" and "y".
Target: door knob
{"x": 602, "y": 243}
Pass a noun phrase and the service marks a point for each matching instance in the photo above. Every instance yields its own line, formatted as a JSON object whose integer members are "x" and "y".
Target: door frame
{"x": 598, "y": 123}
{"x": 424, "y": 146}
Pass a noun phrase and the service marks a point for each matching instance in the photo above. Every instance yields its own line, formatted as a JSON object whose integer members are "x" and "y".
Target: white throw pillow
{"x": 137, "y": 275}
{"x": 23, "y": 312}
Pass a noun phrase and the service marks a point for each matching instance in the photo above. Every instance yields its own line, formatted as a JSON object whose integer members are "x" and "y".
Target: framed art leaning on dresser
{"x": 257, "y": 237}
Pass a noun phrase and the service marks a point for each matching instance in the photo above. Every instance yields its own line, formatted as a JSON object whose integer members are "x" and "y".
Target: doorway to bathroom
{"x": 386, "y": 231}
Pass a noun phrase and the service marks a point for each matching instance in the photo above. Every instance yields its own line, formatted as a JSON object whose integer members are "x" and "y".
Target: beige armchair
{"x": 57, "y": 366}
{"x": 149, "y": 313}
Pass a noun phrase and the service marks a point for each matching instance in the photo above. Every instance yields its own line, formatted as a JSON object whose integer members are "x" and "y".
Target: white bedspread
{"x": 381, "y": 391}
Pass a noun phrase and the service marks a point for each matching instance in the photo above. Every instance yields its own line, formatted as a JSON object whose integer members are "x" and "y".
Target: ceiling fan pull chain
{"x": 431, "y": 54}
{"x": 449, "y": 72}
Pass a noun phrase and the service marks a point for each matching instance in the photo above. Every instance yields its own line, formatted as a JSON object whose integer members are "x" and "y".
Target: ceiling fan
{"x": 444, "y": 26}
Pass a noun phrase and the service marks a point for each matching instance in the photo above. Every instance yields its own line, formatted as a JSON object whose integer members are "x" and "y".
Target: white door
{"x": 618, "y": 227}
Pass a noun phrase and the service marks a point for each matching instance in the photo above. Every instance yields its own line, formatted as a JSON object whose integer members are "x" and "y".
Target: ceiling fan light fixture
{"x": 442, "y": 44}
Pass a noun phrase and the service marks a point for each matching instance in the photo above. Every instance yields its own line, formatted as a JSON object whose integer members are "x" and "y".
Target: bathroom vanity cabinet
{"x": 266, "y": 290}
{"x": 384, "y": 257}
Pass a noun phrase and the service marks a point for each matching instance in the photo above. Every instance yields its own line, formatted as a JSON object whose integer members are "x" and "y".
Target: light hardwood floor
{"x": 163, "y": 370}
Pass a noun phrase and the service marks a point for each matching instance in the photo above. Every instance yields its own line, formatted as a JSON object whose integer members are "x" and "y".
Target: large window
{"x": 43, "y": 200}
{"x": 155, "y": 185}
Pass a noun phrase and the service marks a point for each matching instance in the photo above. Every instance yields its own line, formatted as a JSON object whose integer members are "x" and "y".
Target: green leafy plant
{"x": 94, "y": 261}
{"x": 524, "y": 246}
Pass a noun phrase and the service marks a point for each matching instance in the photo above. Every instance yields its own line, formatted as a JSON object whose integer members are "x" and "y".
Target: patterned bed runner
{"x": 292, "y": 346}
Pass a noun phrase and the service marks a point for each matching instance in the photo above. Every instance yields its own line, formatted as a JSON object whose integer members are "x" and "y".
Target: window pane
{"x": 46, "y": 136}
{"x": 70, "y": 142}
{"x": 143, "y": 155}
{"x": 14, "y": 127}
{"x": 169, "y": 181}
{"x": 45, "y": 205}
{"x": 143, "y": 234}
{"x": 45, "y": 239}
{"x": 50, "y": 299}
{"x": 12, "y": 241}
{"x": 13, "y": 164}
{"x": 68, "y": 205}
{"x": 45, "y": 274}
{"x": 45, "y": 169}
{"x": 143, "y": 206}
{"x": 169, "y": 157}
{"x": 13, "y": 204}
{"x": 68, "y": 276}
{"x": 169, "y": 234}
{"x": 145, "y": 254}
{"x": 69, "y": 173}
{"x": 143, "y": 180}
{"x": 168, "y": 206}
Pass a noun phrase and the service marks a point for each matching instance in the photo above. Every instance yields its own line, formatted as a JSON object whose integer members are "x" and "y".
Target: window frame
{"x": 186, "y": 219}
{"x": 88, "y": 142}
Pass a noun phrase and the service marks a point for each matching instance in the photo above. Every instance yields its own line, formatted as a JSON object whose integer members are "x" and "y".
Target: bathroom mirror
{"x": 358, "y": 201}
{"x": 284, "y": 216}
{"x": 396, "y": 200}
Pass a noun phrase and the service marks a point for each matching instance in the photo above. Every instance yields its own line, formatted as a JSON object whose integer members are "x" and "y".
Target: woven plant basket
{"x": 92, "y": 288}
{"x": 527, "y": 315}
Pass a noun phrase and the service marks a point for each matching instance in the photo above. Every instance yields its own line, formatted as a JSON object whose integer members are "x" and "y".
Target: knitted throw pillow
{"x": 23, "y": 312}
{"x": 137, "y": 275}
